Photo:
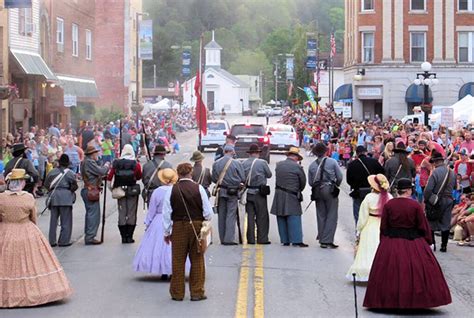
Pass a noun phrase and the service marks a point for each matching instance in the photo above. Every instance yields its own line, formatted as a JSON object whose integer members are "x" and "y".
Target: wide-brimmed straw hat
{"x": 17, "y": 174}
{"x": 197, "y": 156}
{"x": 90, "y": 150}
{"x": 168, "y": 176}
{"x": 378, "y": 182}
{"x": 295, "y": 151}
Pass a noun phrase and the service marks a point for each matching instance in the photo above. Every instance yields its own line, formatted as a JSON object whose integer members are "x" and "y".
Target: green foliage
{"x": 106, "y": 116}
{"x": 251, "y": 32}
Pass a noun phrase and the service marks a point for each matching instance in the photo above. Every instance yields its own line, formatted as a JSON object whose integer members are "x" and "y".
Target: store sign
{"x": 369, "y": 91}
{"x": 70, "y": 100}
{"x": 447, "y": 117}
{"x": 10, "y": 4}
{"x": 186, "y": 63}
{"x": 290, "y": 67}
{"x": 347, "y": 111}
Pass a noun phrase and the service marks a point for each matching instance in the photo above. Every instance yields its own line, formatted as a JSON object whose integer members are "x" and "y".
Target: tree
{"x": 250, "y": 62}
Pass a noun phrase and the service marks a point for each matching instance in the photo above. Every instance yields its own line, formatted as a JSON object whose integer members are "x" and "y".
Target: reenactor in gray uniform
{"x": 62, "y": 185}
{"x": 92, "y": 174}
{"x": 257, "y": 172}
{"x": 290, "y": 183}
{"x": 233, "y": 178}
{"x": 326, "y": 173}
{"x": 150, "y": 171}
{"x": 201, "y": 174}
{"x": 441, "y": 182}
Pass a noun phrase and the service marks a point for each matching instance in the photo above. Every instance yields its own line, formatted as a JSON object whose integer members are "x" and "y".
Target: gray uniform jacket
{"x": 445, "y": 197}
{"x": 148, "y": 170}
{"x": 290, "y": 176}
{"x": 206, "y": 179}
{"x": 332, "y": 172}
{"x": 234, "y": 176}
{"x": 260, "y": 173}
{"x": 92, "y": 172}
{"x": 393, "y": 164}
{"x": 23, "y": 164}
{"x": 64, "y": 194}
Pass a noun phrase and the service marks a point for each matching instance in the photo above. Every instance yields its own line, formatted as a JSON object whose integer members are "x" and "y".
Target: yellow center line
{"x": 258, "y": 310}
{"x": 242, "y": 294}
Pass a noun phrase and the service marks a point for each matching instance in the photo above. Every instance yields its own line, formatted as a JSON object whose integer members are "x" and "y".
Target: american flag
{"x": 333, "y": 45}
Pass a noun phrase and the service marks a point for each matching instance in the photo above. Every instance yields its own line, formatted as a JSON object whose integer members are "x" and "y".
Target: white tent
{"x": 164, "y": 104}
{"x": 463, "y": 111}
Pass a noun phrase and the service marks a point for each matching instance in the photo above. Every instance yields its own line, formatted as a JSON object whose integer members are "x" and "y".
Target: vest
{"x": 124, "y": 172}
{"x": 192, "y": 196}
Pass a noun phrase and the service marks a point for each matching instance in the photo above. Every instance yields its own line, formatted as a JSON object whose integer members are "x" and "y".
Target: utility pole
{"x": 154, "y": 75}
{"x": 276, "y": 82}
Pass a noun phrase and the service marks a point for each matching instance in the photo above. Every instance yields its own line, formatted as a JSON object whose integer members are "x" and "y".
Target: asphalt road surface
{"x": 248, "y": 280}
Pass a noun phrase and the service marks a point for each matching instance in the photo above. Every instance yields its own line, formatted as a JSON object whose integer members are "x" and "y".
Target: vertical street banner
{"x": 290, "y": 68}
{"x": 186, "y": 63}
{"x": 145, "y": 51}
{"x": 311, "y": 48}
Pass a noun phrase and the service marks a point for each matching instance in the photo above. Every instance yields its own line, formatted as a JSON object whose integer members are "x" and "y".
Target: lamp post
{"x": 427, "y": 79}
{"x": 137, "y": 106}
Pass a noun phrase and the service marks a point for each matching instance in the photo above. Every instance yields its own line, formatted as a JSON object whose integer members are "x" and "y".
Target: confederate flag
{"x": 201, "y": 111}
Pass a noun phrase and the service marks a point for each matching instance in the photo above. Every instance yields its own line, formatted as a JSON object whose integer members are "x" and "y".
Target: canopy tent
{"x": 463, "y": 111}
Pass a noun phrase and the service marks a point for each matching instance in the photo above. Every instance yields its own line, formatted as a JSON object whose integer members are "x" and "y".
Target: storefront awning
{"x": 33, "y": 64}
{"x": 79, "y": 87}
{"x": 415, "y": 95}
{"x": 343, "y": 92}
{"x": 466, "y": 89}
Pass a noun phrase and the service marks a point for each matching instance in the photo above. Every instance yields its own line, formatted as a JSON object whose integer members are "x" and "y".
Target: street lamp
{"x": 137, "y": 106}
{"x": 426, "y": 79}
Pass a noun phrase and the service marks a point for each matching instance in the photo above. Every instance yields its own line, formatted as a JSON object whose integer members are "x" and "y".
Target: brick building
{"x": 67, "y": 45}
{"x": 389, "y": 39}
{"x": 3, "y": 68}
{"x": 116, "y": 29}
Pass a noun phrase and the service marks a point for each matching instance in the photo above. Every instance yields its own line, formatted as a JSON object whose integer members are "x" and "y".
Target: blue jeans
{"x": 92, "y": 217}
{"x": 290, "y": 229}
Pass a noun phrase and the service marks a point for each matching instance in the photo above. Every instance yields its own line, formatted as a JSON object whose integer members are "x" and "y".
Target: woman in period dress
{"x": 405, "y": 273}
{"x": 30, "y": 273}
{"x": 368, "y": 227}
{"x": 154, "y": 255}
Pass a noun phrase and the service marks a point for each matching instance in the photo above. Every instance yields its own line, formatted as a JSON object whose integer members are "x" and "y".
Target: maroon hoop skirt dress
{"x": 405, "y": 273}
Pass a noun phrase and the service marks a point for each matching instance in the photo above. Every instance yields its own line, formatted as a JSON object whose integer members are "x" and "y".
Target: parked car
{"x": 262, "y": 111}
{"x": 277, "y": 111}
{"x": 216, "y": 133}
{"x": 247, "y": 134}
{"x": 282, "y": 137}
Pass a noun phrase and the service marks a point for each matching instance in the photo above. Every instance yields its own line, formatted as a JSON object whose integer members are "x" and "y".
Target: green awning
{"x": 78, "y": 86}
{"x": 33, "y": 64}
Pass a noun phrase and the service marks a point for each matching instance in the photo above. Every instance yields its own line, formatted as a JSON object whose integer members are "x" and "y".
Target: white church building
{"x": 221, "y": 90}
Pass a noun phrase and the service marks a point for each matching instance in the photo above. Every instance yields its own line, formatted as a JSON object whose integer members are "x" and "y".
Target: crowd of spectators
{"x": 381, "y": 138}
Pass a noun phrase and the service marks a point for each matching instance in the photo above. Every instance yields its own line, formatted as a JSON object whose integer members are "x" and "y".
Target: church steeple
{"x": 213, "y": 53}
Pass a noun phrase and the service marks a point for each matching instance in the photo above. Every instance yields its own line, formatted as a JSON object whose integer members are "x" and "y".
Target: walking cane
{"x": 355, "y": 293}
{"x": 238, "y": 225}
{"x": 103, "y": 213}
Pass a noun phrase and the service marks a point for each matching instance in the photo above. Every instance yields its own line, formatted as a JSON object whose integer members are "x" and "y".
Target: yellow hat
{"x": 378, "y": 182}
{"x": 294, "y": 151}
{"x": 168, "y": 176}
{"x": 17, "y": 174}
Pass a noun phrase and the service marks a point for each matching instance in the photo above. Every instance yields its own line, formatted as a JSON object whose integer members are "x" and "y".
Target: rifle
{"x": 146, "y": 142}
{"x": 120, "y": 141}
{"x": 103, "y": 213}
{"x": 238, "y": 226}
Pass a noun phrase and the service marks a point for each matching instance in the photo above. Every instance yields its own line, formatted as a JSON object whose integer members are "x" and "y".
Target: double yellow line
{"x": 258, "y": 280}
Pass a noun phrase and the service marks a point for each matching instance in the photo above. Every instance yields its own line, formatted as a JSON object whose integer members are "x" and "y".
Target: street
{"x": 248, "y": 280}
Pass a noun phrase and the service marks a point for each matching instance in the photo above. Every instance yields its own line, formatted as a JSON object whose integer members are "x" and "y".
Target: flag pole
{"x": 200, "y": 92}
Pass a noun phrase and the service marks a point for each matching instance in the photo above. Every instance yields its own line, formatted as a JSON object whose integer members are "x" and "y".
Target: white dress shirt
{"x": 167, "y": 209}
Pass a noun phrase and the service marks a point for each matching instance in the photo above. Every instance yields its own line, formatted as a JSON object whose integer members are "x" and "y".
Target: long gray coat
{"x": 289, "y": 175}
{"x": 446, "y": 201}
{"x": 64, "y": 194}
{"x": 148, "y": 170}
